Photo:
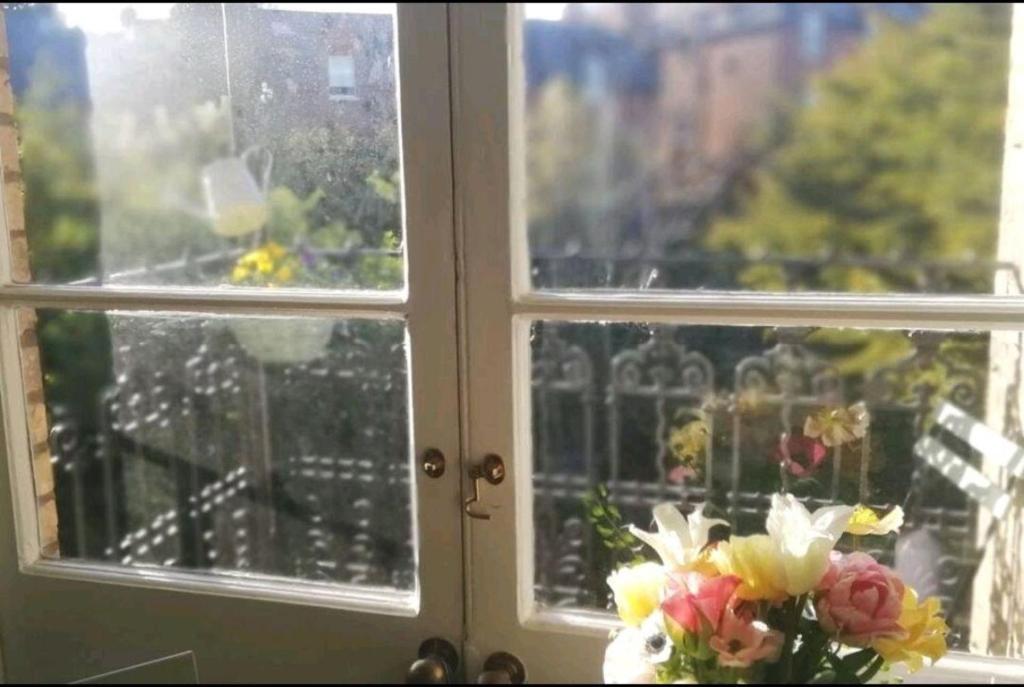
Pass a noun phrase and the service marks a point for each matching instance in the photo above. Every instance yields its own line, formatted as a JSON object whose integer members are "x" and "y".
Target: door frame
{"x": 113, "y": 617}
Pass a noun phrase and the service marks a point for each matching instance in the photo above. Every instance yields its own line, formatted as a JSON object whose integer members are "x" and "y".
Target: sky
{"x": 106, "y": 17}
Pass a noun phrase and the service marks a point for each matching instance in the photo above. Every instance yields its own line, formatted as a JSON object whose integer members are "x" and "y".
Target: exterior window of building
{"x": 341, "y": 76}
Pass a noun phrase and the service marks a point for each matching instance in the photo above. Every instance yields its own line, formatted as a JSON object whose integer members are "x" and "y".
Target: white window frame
{"x": 426, "y": 304}
{"x": 496, "y": 308}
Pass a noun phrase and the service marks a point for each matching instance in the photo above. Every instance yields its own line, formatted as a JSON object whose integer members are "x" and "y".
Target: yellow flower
{"x": 263, "y": 263}
{"x": 284, "y": 274}
{"x": 866, "y": 521}
{"x": 749, "y": 401}
{"x": 756, "y": 561}
{"x": 838, "y": 426}
{"x": 274, "y": 250}
{"x": 688, "y": 442}
{"x": 271, "y": 261}
{"x": 637, "y": 590}
{"x": 791, "y": 559}
{"x": 926, "y": 634}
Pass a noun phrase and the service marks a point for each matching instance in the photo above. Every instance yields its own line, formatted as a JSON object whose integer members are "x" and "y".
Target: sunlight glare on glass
{"x": 545, "y": 10}
{"x": 97, "y": 18}
{"x": 107, "y": 17}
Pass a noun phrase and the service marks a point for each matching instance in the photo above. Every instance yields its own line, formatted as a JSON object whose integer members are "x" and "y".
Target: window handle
{"x": 491, "y": 469}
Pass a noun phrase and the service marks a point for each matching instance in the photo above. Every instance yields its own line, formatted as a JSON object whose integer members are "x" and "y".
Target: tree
{"x": 898, "y": 157}
{"x": 584, "y": 170}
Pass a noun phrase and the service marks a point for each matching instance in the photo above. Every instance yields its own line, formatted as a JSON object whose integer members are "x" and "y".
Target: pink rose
{"x": 694, "y": 597}
{"x": 801, "y": 455}
{"x": 859, "y": 599}
{"x": 741, "y": 640}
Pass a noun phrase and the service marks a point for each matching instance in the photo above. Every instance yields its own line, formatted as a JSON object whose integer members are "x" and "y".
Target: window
{"x": 341, "y": 77}
{"x": 216, "y": 384}
{"x": 253, "y": 344}
{"x": 667, "y": 336}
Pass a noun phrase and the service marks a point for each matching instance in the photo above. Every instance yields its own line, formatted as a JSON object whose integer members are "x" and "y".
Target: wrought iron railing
{"x": 188, "y": 466}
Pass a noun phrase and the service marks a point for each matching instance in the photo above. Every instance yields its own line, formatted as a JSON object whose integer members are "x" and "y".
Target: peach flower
{"x": 741, "y": 640}
{"x": 859, "y": 600}
{"x": 695, "y": 599}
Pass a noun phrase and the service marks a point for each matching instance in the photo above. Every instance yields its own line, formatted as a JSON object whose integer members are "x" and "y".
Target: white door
{"x": 227, "y": 319}
{"x": 647, "y": 260}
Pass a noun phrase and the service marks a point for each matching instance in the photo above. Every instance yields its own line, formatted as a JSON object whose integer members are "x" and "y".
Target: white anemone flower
{"x": 804, "y": 540}
{"x": 679, "y": 540}
{"x": 626, "y": 660}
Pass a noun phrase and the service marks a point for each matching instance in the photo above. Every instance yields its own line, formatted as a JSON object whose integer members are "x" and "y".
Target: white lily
{"x": 804, "y": 540}
{"x": 679, "y": 540}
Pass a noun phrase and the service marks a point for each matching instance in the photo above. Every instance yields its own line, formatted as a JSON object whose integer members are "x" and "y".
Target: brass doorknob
{"x": 436, "y": 665}
{"x": 502, "y": 668}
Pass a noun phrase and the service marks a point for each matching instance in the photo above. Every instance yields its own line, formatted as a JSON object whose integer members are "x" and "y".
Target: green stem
{"x": 871, "y": 670}
{"x": 792, "y": 624}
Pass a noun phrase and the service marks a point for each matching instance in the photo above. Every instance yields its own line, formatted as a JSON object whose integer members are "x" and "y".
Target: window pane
{"x": 844, "y": 147}
{"x": 200, "y": 144}
{"x": 718, "y": 415}
{"x": 276, "y": 446}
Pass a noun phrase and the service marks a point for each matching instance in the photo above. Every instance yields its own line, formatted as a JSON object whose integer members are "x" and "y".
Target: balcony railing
{"x": 189, "y": 465}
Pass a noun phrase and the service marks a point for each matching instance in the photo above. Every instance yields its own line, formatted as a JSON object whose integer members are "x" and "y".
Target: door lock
{"x": 492, "y": 469}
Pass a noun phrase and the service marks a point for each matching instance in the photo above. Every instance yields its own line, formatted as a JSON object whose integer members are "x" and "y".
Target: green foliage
{"x": 897, "y": 156}
{"x": 75, "y": 350}
{"x": 606, "y": 519}
{"x": 60, "y": 195}
{"x": 356, "y": 171}
{"x": 584, "y": 171}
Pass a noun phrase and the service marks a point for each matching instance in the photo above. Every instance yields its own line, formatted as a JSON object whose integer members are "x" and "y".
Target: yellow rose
{"x": 756, "y": 561}
{"x": 637, "y": 590}
{"x": 926, "y": 634}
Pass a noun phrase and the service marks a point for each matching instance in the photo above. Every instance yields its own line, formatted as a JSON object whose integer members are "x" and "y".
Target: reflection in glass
{"x": 178, "y": 143}
{"x": 626, "y": 416}
{"x": 274, "y": 446}
{"x": 775, "y": 146}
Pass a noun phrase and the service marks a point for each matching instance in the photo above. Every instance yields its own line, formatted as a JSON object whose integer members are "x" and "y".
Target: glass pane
{"x": 274, "y": 446}
{"x": 850, "y": 147}
{"x": 718, "y": 415}
{"x": 207, "y": 144}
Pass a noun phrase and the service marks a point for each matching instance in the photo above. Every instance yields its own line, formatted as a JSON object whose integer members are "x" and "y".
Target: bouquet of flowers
{"x": 779, "y": 607}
